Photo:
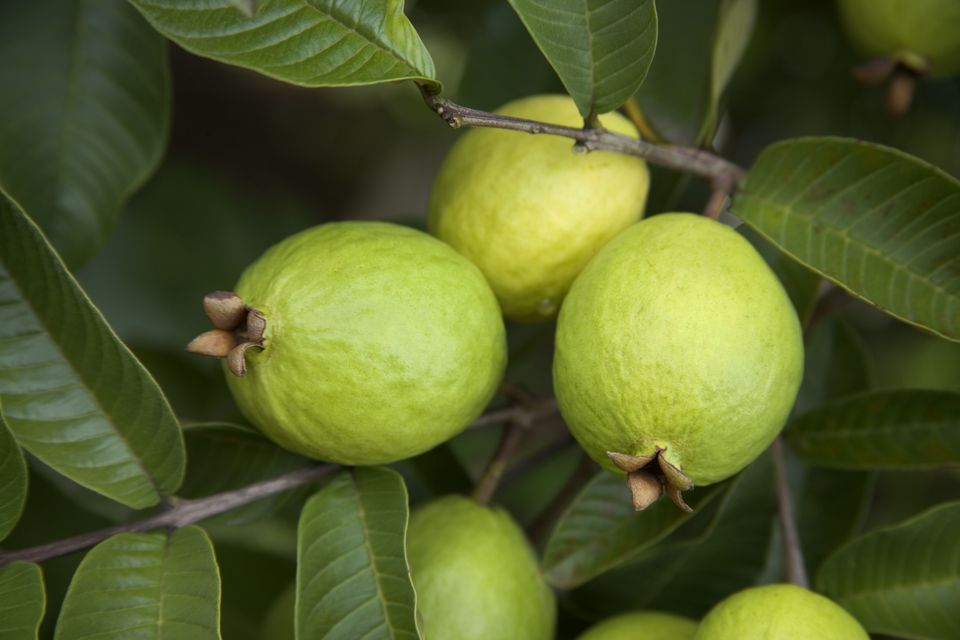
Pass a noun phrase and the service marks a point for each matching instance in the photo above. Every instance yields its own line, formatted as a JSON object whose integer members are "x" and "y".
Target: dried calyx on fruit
{"x": 238, "y": 327}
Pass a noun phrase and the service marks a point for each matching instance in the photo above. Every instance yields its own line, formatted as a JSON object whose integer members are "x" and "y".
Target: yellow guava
{"x": 528, "y": 210}
{"x": 678, "y": 355}
{"x": 649, "y": 625}
{"x": 475, "y": 574}
{"x": 779, "y": 612}
{"x": 921, "y": 34}
{"x": 380, "y": 342}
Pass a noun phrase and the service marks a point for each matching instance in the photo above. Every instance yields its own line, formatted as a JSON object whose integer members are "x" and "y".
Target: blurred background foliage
{"x": 251, "y": 160}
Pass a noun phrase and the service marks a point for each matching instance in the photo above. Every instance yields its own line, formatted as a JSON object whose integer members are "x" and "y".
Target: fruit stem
{"x": 793, "y": 554}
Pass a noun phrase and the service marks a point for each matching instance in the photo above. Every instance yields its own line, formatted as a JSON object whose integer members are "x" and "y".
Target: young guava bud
{"x": 475, "y": 574}
{"x": 779, "y": 611}
{"x": 678, "y": 354}
{"x": 528, "y": 210}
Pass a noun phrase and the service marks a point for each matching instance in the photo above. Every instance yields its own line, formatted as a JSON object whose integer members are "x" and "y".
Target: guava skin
{"x": 922, "y": 34}
{"x": 475, "y": 574}
{"x": 648, "y": 625}
{"x": 779, "y": 612}
{"x": 679, "y": 337}
{"x": 528, "y": 210}
{"x": 381, "y": 342}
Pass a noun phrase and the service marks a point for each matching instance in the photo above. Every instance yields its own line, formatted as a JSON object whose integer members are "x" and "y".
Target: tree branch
{"x": 487, "y": 486}
{"x": 796, "y": 568}
{"x": 722, "y": 173}
{"x": 180, "y": 514}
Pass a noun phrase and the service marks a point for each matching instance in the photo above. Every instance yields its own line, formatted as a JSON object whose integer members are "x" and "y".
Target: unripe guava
{"x": 642, "y": 625}
{"x": 528, "y": 210}
{"x": 921, "y": 34}
{"x": 475, "y": 574}
{"x": 779, "y": 612}
{"x": 380, "y": 343}
{"x": 678, "y": 355}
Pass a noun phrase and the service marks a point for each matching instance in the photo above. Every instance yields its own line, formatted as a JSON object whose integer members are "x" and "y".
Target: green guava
{"x": 923, "y": 35}
{"x": 648, "y": 625}
{"x": 528, "y": 210}
{"x": 476, "y": 575}
{"x": 779, "y": 612}
{"x": 379, "y": 343}
{"x": 678, "y": 355}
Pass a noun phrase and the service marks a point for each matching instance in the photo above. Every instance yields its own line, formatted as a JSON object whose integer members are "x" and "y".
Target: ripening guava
{"x": 528, "y": 210}
{"x": 379, "y": 342}
{"x": 475, "y": 574}
{"x": 924, "y": 35}
{"x": 645, "y": 625}
{"x": 779, "y": 612}
{"x": 678, "y": 355}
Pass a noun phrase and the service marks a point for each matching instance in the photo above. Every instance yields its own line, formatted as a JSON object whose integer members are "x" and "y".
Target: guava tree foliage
{"x": 120, "y": 518}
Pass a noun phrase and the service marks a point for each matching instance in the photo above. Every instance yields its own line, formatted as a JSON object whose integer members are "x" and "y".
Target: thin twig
{"x": 540, "y": 527}
{"x": 182, "y": 513}
{"x": 490, "y": 480}
{"x": 687, "y": 159}
{"x": 796, "y": 568}
{"x": 536, "y": 411}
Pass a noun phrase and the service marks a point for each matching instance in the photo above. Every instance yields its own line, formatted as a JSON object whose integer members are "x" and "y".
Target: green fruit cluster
{"x": 678, "y": 354}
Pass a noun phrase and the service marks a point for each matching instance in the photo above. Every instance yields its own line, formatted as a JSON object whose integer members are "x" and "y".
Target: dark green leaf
{"x": 733, "y": 28}
{"x": 831, "y": 507}
{"x": 72, "y": 393}
{"x": 224, "y": 456}
{"x": 600, "y": 530}
{"x": 83, "y": 114}
{"x": 13, "y": 479}
{"x": 313, "y": 43}
{"x": 903, "y": 580}
{"x": 689, "y": 576}
{"x": 601, "y": 49}
{"x": 880, "y": 223}
{"x": 800, "y": 283}
{"x": 149, "y": 585}
{"x": 836, "y": 365}
{"x": 22, "y": 601}
{"x": 902, "y": 429}
{"x": 278, "y": 623}
{"x": 441, "y": 471}
{"x": 352, "y": 574}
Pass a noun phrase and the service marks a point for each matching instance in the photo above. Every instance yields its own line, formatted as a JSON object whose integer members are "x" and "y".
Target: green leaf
{"x": 352, "y": 574}
{"x": 600, "y": 530}
{"x": 83, "y": 114}
{"x": 901, "y": 429}
{"x": 224, "y": 456}
{"x": 145, "y": 585}
{"x": 312, "y": 43}
{"x": 22, "y": 601}
{"x": 831, "y": 508}
{"x": 902, "y": 580}
{"x": 601, "y": 49}
{"x": 836, "y": 365}
{"x": 73, "y": 394}
{"x": 13, "y": 479}
{"x": 800, "y": 283}
{"x": 700, "y": 41}
{"x": 883, "y": 225}
{"x": 689, "y": 576}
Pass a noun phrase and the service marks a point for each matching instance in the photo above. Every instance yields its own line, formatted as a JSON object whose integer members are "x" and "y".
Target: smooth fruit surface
{"x": 476, "y": 575}
{"x": 922, "y": 34}
{"x": 679, "y": 337}
{"x": 381, "y": 342}
{"x": 528, "y": 210}
{"x": 779, "y": 612}
{"x": 648, "y": 625}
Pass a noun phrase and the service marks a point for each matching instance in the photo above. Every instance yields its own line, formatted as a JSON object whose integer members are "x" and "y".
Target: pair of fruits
{"x": 771, "y": 612}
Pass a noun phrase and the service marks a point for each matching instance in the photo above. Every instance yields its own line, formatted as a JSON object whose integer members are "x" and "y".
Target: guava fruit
{"x": 923, "y": 35}
{"x": 779, "y": 612}
{"x": 648, "y": 625}
{"x": 528, "y": 210}
{"x": 361, "y": 343}
{"x": 678, "y": 355}
{"x": 475, "y": 574}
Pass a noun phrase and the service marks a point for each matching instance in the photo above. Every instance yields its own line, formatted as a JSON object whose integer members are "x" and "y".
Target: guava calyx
{"x": 649, "y": 477}
{"x": 901, "y": 79}
{"x": 238, "y": 327}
